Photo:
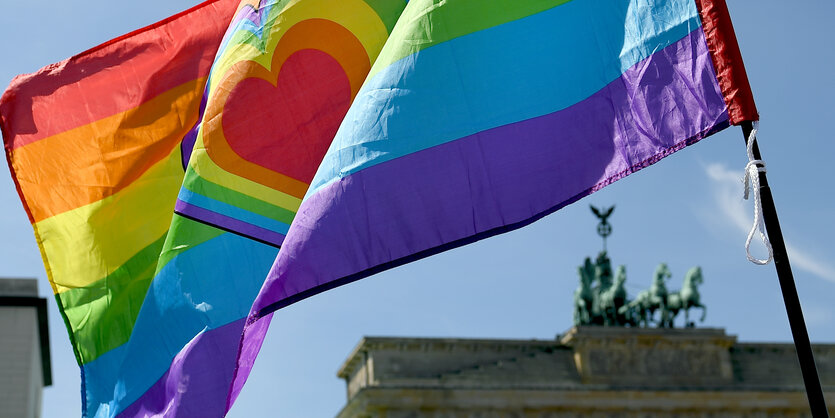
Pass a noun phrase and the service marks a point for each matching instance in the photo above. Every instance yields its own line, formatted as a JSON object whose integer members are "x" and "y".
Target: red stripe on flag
{"x": 727, "y": 60}
{"x": 115, "y": 76}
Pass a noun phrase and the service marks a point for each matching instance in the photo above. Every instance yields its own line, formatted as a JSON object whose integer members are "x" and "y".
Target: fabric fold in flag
{"x": 179, "y": 186}
{"x": 481, "y": 117}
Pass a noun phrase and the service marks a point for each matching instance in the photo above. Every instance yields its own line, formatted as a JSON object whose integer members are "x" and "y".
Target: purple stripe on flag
{"x": 250, "y": 344}
{"x": 199, "y": 379}
{"x": 499, "y": 179}
{"x": 250, "y": 13}
{"x": 226, "y": 223}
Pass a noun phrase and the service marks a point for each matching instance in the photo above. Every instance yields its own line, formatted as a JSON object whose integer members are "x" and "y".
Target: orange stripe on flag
{"x": 89, "y": 163}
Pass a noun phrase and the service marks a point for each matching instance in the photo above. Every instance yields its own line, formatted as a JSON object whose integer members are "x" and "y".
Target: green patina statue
{"x": 642, "y": 309}
{"x": 613, "y": 299}
{"x": 584, "y": 295}
{"x": 601, "y": 299}
{"x": 686, "y": 298}
{"x": 604, "y": 228}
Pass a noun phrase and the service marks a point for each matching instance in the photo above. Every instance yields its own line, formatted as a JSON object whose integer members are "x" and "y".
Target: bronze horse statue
{"x": 613, "y": 298}
{"x": 686, "y": 298}
{"x": 584, "y": 296}
{"x": 641, "y": 311}
{"x": 602, "y": 281}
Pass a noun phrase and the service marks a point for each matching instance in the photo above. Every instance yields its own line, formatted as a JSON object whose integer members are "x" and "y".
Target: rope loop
{"x": 752, "y": 184}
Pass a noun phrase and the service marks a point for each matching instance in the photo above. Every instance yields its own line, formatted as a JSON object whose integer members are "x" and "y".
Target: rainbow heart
{"x": 274, "y": 126}
{"x": 287, "y": 127}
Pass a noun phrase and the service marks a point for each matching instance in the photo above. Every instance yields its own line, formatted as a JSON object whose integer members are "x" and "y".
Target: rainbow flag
{"x": 94, "y": 146}
{"x": 481, "y": 117}
{"x": 161, "y": 172}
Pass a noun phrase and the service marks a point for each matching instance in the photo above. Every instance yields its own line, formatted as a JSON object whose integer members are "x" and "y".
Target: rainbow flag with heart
{"x": 481, "y": 117}
{"x": 161, "y": 172}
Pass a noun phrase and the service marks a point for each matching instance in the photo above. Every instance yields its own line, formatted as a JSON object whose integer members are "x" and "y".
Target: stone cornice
{"x": 368, "y": 344}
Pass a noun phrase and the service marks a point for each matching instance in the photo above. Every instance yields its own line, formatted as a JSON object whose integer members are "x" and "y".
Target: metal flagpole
{"x": 814, "y": 391}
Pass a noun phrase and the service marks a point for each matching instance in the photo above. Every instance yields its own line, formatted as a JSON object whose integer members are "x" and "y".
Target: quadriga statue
{"x": 601, "y": 299}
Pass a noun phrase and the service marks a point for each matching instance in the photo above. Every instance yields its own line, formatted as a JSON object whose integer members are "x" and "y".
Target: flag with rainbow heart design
{"x": 188, "y": 179}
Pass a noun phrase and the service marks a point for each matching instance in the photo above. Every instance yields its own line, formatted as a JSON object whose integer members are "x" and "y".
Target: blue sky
{"x": 686, "y": 210}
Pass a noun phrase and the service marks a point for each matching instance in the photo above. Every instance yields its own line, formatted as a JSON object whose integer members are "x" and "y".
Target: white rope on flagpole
{"x": 752, "y": 181}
